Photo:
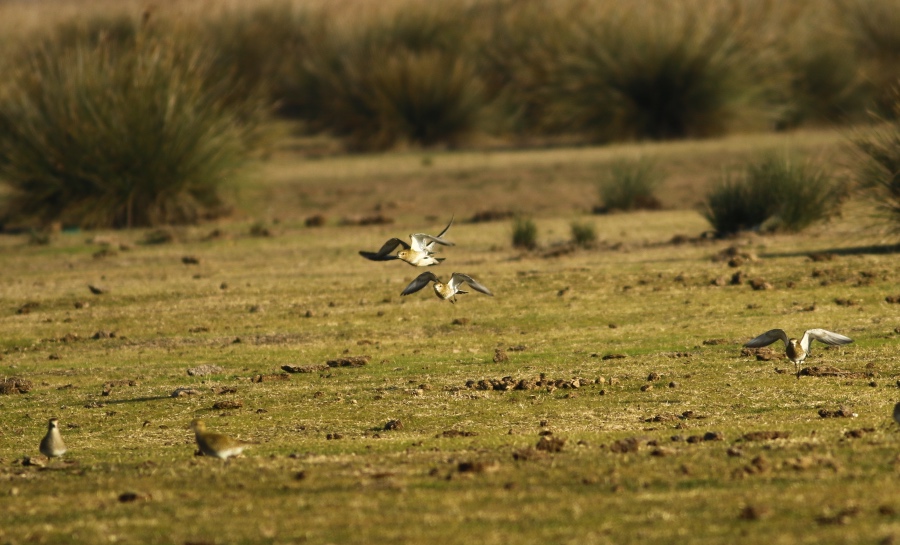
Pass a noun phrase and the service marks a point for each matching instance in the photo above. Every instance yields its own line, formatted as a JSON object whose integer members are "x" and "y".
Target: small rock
{"x": 304, "y": 368}
{"x": 190, "y": 260}
{"x": 228, "y": 404}
{"x": 204, "y": 370}
{"x": 14, "y": 385}
{"x": 550, "y": 444}
{"x": 352, "y": 361}
{"x": 759, "y": 284}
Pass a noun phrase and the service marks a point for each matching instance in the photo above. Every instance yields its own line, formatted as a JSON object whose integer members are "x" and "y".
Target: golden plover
{"x": 52, "y": 444}
{"x": 216, "y": 445}
{"x": 795, "y": 350}
{"x": 446, "y": 291}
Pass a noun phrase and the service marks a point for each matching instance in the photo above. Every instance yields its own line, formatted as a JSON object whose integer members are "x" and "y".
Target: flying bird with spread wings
{"x": 447, "y": 291}
{"x": 418, "y": 253}
{"x": 795, "y": 350}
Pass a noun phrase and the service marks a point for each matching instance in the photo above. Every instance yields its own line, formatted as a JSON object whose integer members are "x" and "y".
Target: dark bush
{"x": 773, "y": 193}
{"x": 630, "y": 185}
{"x": 108, "y": 136}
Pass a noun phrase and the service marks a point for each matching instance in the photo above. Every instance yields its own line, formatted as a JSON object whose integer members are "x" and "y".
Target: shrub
{"x": 99, "y": 136}
{"x": 874, "y": 27}
{"x": 524, "y": 233}
{"x": 583, "y": 234}
{"x": 399, "y": 78}
{"x": 878, "y": 167}
{"x": 649, "y": 72}
{"x": 773, "y": 193}
{"x": 735, "y": 205}
{"x": 629, "y": 185}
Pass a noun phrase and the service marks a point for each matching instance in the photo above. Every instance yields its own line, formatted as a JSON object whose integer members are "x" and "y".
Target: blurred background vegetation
{"x": 108, "y": 104}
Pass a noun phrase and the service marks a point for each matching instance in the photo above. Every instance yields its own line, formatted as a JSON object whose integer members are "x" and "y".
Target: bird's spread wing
{"x": 442, "y": 233}
{"x": 822, "y": 335}
{"x": 459, "y": 278}
{"x": 384, "y": 254}
{"x": 420, "y": 282}
{"x": 768, "y": 338}
{"x": 425, "y": 243}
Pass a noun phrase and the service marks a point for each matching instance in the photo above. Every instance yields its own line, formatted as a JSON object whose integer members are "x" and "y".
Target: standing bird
{"x": 419, "y": 253}
{"x": 216, "y": 445}
{"x": 446, "y": 291}
{"x": 52, "y": 444}
{"x": 795, "y": 350}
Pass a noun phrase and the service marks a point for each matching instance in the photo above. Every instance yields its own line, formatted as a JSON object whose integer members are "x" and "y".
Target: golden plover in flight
{"x": 52, "y": 444}
{"x": 216, "y": 445}
{"x": 419, "y": 253}
{"x": 446, "y": 291}
{"x": 795, "y": 350}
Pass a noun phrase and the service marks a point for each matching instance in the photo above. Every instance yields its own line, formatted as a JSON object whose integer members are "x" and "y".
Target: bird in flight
{"x": 418, "y": 253}
{"x": 795, "y": 350}
{"x": 446, "y": 291}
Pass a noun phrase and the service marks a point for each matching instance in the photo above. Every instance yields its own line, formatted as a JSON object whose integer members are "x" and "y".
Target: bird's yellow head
{"x": 198, "y": 425}
{"x": 402, "y": 254}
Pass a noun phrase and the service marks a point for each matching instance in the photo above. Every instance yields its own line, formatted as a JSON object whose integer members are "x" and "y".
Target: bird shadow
{"x": 856, "y": 250}
{"x": 136, "y": 400}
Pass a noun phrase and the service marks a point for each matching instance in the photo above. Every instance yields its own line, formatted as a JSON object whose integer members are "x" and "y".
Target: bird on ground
{"x": 217, "y": 445}
{"x": 418, "y": 253}
{"x": 446, "y": 291}
{"x": 52, "y": 444}
{"x": 795, "y": 350}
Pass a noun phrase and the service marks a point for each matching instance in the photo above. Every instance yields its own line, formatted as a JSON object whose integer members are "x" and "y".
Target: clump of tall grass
{"x": 399, "y": 78}
{"x": 874, "y": 27}
{"x": 524, "y": 233}
{"x": 822, "y": 82}
{"x": 583, "y": 233}
{"x": 630, "y": 185}
{"x": 773, "y": 193}
{"x": 646, "y": 71}
{"x": 878, "y": 168}
{"x": 106, "y": 136}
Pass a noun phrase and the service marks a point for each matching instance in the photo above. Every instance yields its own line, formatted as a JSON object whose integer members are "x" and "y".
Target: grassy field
{"x": 668, "y": 433}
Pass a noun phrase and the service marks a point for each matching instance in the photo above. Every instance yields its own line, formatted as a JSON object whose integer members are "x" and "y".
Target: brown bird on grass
{"x": 52, "y": 444}
{"x": 795, "y": 350}
{"x": 216, "y": 445}
{"x": 418, "y": 253}
{"x": 446, "y": 291}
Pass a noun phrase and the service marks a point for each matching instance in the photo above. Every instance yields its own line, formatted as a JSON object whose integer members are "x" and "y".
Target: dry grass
{"x": 303, "y": 296}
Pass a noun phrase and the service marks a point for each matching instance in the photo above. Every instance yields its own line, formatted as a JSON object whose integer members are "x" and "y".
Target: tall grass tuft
{"x": 822, "y": 83}
{"x": 583, "y": 234}
{"x": 645, "y": 71}
{"x": 874, "y": 27}
{"x": 878, "y": 170}
{"x": 773, "y": 193}
{"x": 524, "y": 233}
{"x": 630, "y": 185}
{"x": 399, "y": 78}
{"x": 102, "y": 136}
